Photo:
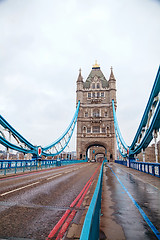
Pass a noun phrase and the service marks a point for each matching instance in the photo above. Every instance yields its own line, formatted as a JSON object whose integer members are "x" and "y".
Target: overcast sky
{"x": 43, "y": 43}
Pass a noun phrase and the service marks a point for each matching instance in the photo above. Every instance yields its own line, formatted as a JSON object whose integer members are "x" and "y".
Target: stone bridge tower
{"x": 95, "y": 124}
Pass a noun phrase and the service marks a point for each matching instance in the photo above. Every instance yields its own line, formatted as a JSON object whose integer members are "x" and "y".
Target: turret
{"x": 79, "y": 87}
{"x": 112, "y": 86}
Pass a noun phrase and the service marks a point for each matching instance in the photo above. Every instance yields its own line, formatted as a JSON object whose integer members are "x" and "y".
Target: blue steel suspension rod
{"x": 63, "y": 147}
{"x": 117, "y": 128}
{"x": 6, "y": 125}
{"x": 154, "y": 92}
{"x": 7, "y": 144}
{"x": 122, "y": 154}
{"x": 73, "y": 123}
{"x": 155, "y": 125}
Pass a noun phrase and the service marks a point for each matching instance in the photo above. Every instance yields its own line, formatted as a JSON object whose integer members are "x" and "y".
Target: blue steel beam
{"x": 154, "y": 93}
{"x": 8, "y": 144}
{"x": 28, "y": 147}
{"x": 155, "y": 125}
{"x": 148, "y": 123}
{"x": 7, "y": 126}
{"x": 63, "y": 137}
{"x": 117, "y": 130}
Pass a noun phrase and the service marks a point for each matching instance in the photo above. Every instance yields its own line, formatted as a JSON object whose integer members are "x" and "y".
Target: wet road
{"x": 135, "y": 203}
{"x": 31, "y": 204}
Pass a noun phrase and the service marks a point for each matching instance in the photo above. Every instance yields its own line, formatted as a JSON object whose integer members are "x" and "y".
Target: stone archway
{"x": 100, "y": 157}
{"x": 97, "y": 147}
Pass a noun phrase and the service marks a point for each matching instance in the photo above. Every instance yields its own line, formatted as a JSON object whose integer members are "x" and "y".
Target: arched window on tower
{"x": 86, "y": 114}
{"x": 84, "y": 129}
{"x": 108, "y": 131}
{"x": 96, "y": 113}
{"x": 96, "y": 129}
{"x": 103, "y": 129}
{"x": 89, "y": 95}
{"x": 88, "y": 129}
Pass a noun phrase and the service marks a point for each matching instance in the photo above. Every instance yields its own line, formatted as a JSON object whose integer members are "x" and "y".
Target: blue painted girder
{"x": 154, "y": 125}
{"x": 6, "y": 125}
{"x": 8, "y": 144}
{"x": 154, "y": 93}
{"x": 58, "y": 141}
{"x": 28, "y": 147}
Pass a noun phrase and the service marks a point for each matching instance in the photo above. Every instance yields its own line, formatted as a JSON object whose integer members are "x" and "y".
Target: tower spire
{"x": 111, "y": 75}
{"x": 80, "y": 78}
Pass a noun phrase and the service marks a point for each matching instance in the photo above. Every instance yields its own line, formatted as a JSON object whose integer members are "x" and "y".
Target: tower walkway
{"x": 130, "y": 203}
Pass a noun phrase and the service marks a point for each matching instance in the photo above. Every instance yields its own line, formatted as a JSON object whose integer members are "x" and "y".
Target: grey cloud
{"x": 44, "y": 43}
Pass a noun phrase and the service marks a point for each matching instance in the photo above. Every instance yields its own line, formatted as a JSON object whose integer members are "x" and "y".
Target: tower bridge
{"x": 47, "y": 198}
{"x": 95, "y": 122}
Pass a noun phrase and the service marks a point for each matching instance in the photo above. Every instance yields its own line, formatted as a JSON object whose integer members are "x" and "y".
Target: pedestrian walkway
{"x": 127, "y": 197}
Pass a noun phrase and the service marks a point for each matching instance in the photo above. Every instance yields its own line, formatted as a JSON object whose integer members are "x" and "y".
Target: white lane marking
{"x": 73, "y": 169}
{"x": 54, "y": 176}
{"x": 17, "y": 189}
{"x": 67, "y": 172}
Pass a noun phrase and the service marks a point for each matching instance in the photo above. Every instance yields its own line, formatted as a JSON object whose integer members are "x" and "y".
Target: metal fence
{"x": 146, "y": 167}
{"x": 14, "y": 166}
{"x": 90, "y": 230}
{"x": 121, "y": 162}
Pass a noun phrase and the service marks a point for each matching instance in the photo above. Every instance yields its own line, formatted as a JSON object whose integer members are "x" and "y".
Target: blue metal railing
{"x": 121, "y": 162}
{"x": 90, "y": 230}
{"x": 146, "y": 167}
{"x": 14, "y": 166}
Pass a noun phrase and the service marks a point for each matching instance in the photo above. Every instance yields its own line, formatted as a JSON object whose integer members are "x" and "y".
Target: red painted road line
{"x": 71, "y": 216}
{"x": 65, "y": 225}
{"x": 84, "y": 194}
{"x": 79, "y": 195}
{"x": 58, "y": 225}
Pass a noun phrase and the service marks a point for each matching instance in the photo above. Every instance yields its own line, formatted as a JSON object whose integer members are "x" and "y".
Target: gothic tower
{"x": 95, "y": 124}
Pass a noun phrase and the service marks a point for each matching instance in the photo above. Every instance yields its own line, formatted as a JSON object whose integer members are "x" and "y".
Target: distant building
{"x": 150, "y": 153}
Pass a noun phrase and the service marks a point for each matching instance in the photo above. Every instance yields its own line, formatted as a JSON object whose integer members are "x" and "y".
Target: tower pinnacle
{"x": 96, "y": 65}
{"x": 80, "y": 78}
{"x": 111, "y": 75}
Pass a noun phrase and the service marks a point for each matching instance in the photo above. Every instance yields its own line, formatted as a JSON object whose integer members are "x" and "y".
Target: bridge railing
{"x": 146, "y": 167}
{"x": 14, "y": 166}
{"x": 90, "y": 230}
{"x": 121, "y": 162}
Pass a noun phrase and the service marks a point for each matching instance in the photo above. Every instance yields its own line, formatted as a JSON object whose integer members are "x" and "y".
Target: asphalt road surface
{"x": 32, "y": 203}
